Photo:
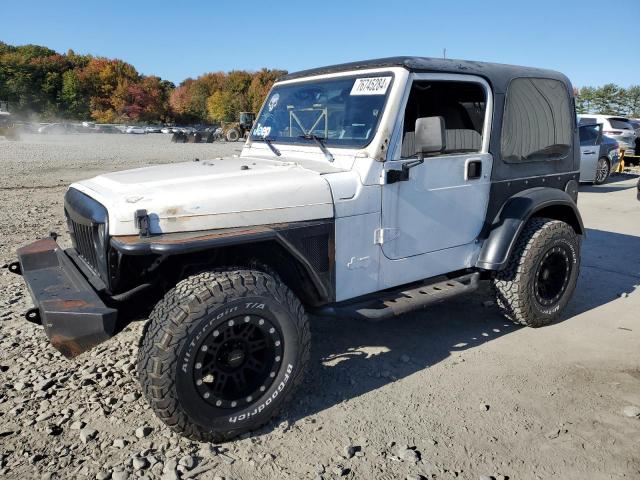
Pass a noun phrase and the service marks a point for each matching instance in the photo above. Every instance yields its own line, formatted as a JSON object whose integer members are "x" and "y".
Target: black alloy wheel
{"x": 552, "y": 276}
{"x": 235, "y": 362}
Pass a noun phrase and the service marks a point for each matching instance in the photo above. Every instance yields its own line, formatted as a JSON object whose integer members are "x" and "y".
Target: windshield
{"x": 342, "y": 112}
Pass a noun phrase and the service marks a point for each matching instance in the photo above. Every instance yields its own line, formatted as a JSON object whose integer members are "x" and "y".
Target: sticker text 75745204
{"x": 370, "y": 86}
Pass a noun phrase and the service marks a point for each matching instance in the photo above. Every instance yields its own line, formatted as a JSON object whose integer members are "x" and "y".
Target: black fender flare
{"x": 294, "y": 238}
{"x": 514, "y": 214}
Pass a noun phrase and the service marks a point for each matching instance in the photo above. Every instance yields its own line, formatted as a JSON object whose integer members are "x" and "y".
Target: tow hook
{"x": 33, "y": 315}
{"x": 14, "y": 267}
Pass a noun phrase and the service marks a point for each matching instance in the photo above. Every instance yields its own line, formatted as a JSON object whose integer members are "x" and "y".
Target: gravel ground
{"x": 450, "y": 392}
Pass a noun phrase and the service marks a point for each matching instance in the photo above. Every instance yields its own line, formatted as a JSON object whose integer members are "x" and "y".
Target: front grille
{"x": 88, "y": 225}
{"x": 83, "y": 240}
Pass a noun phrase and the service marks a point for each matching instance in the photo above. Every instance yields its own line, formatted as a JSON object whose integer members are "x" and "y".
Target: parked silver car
{"x": 599, "y": 154}
{"x": 615, "y": 127}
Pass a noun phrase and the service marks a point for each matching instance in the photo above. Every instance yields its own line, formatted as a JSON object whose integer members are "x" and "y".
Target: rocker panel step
{"x": 392, "y": 304}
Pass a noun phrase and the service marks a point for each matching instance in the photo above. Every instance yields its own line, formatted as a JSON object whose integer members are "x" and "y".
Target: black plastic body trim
{"x": 74, "y": 317}
{"x": 392, "y": 303}
{"x": 516, "y": 211}
{"x": 289, "y": 236}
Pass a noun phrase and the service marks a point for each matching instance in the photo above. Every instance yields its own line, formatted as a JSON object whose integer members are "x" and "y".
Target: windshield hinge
{"x": 382, "y": 235}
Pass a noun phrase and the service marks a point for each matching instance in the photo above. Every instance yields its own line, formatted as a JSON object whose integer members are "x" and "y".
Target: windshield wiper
{"x": 269, "y": 143}
{"x": 320, "y": 142}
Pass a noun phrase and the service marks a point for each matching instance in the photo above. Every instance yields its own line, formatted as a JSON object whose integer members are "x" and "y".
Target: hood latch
{"x": 141, "y": 221}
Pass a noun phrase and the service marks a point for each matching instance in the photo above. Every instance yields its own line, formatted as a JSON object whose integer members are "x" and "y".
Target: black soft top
{"x": 497, "y": 75}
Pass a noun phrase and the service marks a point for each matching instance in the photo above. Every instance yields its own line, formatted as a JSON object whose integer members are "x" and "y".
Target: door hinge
{"x": 382, "y": 235}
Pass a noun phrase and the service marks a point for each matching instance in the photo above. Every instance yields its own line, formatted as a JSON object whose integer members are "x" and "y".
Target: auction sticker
{"x": 371, "y": 86}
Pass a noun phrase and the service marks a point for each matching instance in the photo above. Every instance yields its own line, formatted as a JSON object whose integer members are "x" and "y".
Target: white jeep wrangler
{"x": 367, "y": 189}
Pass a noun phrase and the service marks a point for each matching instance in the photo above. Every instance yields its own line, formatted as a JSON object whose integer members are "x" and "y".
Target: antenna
{"x": 444, "y": 53}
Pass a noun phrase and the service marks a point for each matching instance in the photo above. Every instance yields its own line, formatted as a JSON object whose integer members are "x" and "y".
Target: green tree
{"x": 632, "y": 101}
{"x": 74, "y": 102}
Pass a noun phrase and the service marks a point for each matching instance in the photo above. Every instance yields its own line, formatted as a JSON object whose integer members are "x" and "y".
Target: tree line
{"x": 37, "y": 81}
{"x": 610, "y": 99}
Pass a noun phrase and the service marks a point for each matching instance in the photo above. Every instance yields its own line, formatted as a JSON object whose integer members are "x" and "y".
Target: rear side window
{"x": 537, "y": 124}
{"x": 620, "y": 123}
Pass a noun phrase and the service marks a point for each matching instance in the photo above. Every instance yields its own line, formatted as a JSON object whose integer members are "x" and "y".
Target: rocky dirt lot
{"x": 450, "y": 392}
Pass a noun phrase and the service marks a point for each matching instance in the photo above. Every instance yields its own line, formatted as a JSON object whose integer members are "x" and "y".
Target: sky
{"x": 180, "y": 39}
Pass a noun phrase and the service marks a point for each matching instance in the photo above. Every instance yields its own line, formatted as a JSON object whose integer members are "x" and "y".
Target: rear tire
{"x": 603, "y": 170}
{"x": 541, "y": 274}
{"x": 221, "y": 353}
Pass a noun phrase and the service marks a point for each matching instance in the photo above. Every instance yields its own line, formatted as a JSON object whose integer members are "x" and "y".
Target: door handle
{"x": 587, "y": 152}
{"x": 473, "y": 169}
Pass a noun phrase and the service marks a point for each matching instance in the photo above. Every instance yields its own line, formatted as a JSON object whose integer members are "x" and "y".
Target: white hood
{"x": 219, "y": 193}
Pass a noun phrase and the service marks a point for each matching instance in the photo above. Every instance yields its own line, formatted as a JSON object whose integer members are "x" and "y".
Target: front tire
{"x": 222, "y": 352}
{"x": 233, "y": 135}
{"x": 541, "y": 275}
{"x": 603, "y": 169}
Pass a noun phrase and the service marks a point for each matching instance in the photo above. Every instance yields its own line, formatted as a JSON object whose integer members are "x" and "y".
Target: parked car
{"x": 615, "y": 127}
{"x": 58, "y": 128}
{"x": 635, "y": 123}
{"x": 166, "y": 130}
{"x": 135, "y": 130}
{"x": 107, "y": 129}
{"x": 599, "y": 154}
{"x": 153, "y": 129}
{"x": 366, "y": 190}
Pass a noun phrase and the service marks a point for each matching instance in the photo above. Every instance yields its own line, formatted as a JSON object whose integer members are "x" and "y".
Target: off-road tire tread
{"x": 511, "y": 285}
{"x": 175, "y": 317}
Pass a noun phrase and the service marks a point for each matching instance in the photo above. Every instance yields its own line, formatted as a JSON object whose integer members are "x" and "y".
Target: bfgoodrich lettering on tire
{"x": 541, "y": 275}
{"x": 222, "y": 351}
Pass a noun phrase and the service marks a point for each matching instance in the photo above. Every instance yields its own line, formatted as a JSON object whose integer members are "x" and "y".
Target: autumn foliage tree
{"x": 37, "y": 80}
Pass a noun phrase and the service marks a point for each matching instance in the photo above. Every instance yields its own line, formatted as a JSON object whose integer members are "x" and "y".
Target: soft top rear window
{"x": 538, "y": 121}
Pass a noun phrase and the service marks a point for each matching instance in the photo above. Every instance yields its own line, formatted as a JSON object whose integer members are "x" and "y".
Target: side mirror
{"x": 429, "y": 135}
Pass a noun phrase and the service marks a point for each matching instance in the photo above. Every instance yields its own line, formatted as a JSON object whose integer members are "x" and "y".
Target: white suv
{"x": 617, "y": 128}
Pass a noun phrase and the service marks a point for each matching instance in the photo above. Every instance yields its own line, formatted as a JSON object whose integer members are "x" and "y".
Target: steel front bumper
{"x": 73, "y": 316}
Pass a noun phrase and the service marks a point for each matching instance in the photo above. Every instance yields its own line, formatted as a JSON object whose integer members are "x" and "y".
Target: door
{"x": 590, "y": 137}
{"x": 443, "y": 202}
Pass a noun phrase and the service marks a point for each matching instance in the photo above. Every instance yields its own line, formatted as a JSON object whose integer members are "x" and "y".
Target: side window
{"x": 462, "y": 105}
{"x": 589, "y": 135}
{"x": 537, "y": 123}
{"x": 584, "y": 120}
